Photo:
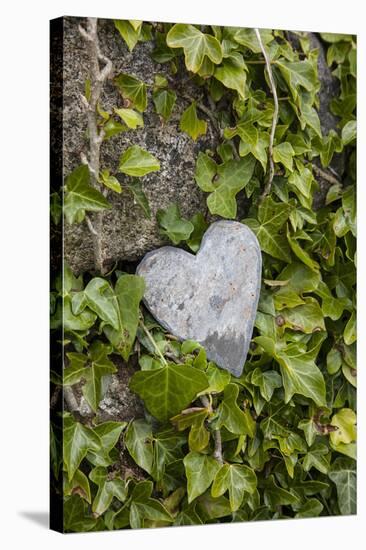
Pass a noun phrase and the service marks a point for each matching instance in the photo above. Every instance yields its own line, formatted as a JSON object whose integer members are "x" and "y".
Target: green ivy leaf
{"x": 107, "y": 490}
{"x": 173, "y": 225}
{"x": 232, "y": 74}
{"x": 168, "y": 390}
{"x": 317, "y": 458}
{"x": 98, "y": 367}
{"x": 271, "y": 218}
{"x": 131, "y": 118}
{"x": 76, "y": 517}
{"x": 129, "y": 31}
{"x": 135, "y": 161}
{"x": 191, "y": 124}
{"x": 237, "y": 479}
{"x": 200, "y": 472}
{"x": 284, "y": 153}
{"x": 77, "y": 441}
{"x": 138, "y": 440}
{"x": 231, "y": 416}
{"x": 206, "y": 169}
{"x": 233, "y": 176}
{"x": 81, "y": 196}
{"x": 118, "y": 308}
{"x": 139, "y": 196}
{"x": 164, "y": 101}
{"x": 109, "y": 433}
{"x": 343, "y": 474}
{"x": 299, "y": 371}
{"x": 196, "y": 45}
{"x": 298, "y": 73}
{"x": 267, "y": 381}
{"x": 132, "y": 89}
{"x": 110, "y": 181}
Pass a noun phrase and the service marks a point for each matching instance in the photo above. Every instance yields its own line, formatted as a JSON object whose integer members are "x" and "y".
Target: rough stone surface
{"x": 211, "y": 297}
{"x": 127, "y": 234}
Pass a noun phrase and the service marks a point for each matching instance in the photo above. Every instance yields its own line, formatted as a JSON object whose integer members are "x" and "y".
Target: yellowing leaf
{"x": 135, "y": 161}
{"x": 345, "y": 421}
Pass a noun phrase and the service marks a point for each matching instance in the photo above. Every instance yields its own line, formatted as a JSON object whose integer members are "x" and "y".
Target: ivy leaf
{"x": 237, "y": 479}
{"x": 135, "y": 161}
{"x": 107, "y": 490}
{"x": 298, "y": 73}
{"x": 173, "y": 225}
{"x": 199, "y": 227}
{"x": 76, "y": 516}
{"x": 267, "y": 381}
{"x": 271, "y": 218}
{"x": 168, "y": 390}
{"x": 307, "y": 318}
{"x": 196, "y": 45}
{"x": 131, "y": 118}
{"x": 194, "y": 419}
{"x": 284, "y": 154}
{"x": 277, "y": 496}
{"x": 132, "y": 89}
{"x": 312, "y": 508}
{"x": 81, "y": 196}
{"x": 349, "y": 132}
{"x": 99, "y": 366}
{"x": 139, "y": 196}
{"x": 164, "y": 101}
{"x": 77, "y": 441}
{"x": 316, "y": 458}
{"x": 138, "y": 440}
{"x": 248, "y": 38}
{"x": 233, "y": 176}
{"x": 129, "y": 32}
{"x": 299, "y": 371}
{"x": 200, "y": 472}
{"x": 232, "y": 74}
{"x": 191, "y": 124}
{"x": 79, "y": 485}
{"x": 109, "y": 433}
{"x": 345, "y": 421}
{"x": 110, "y": 181}
{"x": 206, "y": 169}
{"x": 343, "y": 474}
{"x": 118, "y": 308}
{"x": 231, "y": 416}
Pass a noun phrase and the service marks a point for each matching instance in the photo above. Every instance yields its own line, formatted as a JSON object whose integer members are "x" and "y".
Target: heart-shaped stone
{"x": 212, "y": 297}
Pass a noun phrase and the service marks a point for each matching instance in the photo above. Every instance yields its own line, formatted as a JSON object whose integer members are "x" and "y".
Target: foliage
{"x": 287, "y": 425}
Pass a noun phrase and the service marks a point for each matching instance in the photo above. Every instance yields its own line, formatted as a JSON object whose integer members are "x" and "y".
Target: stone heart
{"x": 212, "y": 297}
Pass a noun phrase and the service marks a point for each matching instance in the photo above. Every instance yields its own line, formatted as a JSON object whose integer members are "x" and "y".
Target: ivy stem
{"x": 267, "y": 187}
{"x": 217, "y": 454}
{"x": 152, "y": 341}
{"x": 98, "y": 76}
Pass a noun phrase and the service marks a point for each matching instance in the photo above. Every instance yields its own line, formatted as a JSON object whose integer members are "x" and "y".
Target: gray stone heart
{"x": 211, "y": 297}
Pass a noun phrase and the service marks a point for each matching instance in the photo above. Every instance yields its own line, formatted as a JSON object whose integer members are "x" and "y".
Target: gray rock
{"x": 211, "y": 297}
{"x": 127, "y": 234}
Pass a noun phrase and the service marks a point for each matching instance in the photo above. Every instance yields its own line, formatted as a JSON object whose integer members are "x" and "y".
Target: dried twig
{"x": 325, "y": 175}
{"x": 98, "y": 76}
{"x": 267, "y": 187}
{"x": 217, "y": 454}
